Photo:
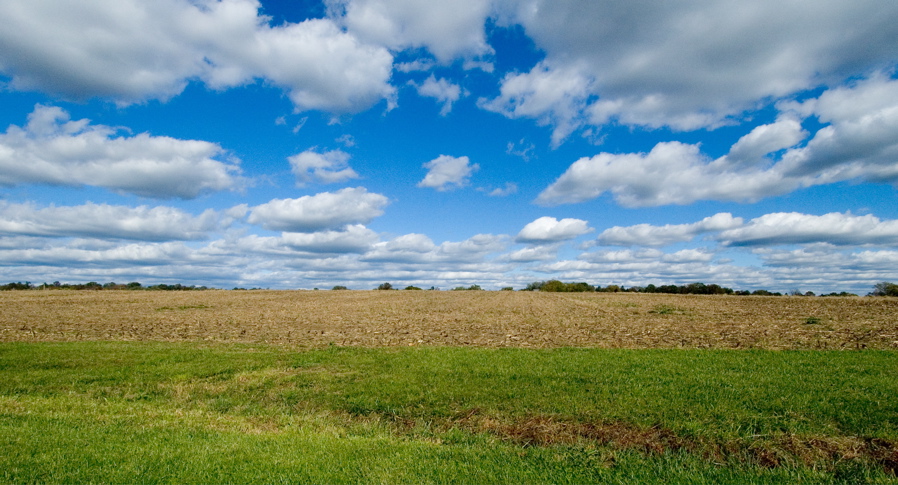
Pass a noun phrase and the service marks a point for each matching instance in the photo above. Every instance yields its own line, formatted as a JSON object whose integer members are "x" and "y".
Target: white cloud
{"x": 825, "y": 267}
{"x": 672, "y": 173}
{"x": 690, "y": 65}
{"x": 353, "y": 239}
{"x": 442, "y": 90}
{"x": 862, "y": 138}
{"x": 416, "y": 65}
{"x": 447, "y": 29}
{"x": 521, "y": 149}
{"x": 446, "y": 173}
{"x": 420, "y": 249}
{"x": 554, "y": 97}
{"x": 688, "y": 256}
{"x": 763, "y": 139}
{"x": 70, "y": 256}
{"x": 50, "y": 149}
{"x": 795, "y": 228}
{"x": 327, "y": 168}
{"x": 510, "y": 188}
{"x": 860, "y": 143}
{"x": 327, "y": 210}
{"x": 543, "y": 252}
{"x": 131, "y": 51}
{"x": 109, "y": 222}
{"x": 651, "y": 235}
{"x": 550, "y": 230}
{"x": 622, "y": 256}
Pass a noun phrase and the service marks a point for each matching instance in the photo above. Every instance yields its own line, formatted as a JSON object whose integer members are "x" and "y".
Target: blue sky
{"x": 301, "y": 144}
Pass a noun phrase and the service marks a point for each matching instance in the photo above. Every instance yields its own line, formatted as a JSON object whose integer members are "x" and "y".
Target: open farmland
{"x": 445, "y": 387}
{"x": 460, "y": 318}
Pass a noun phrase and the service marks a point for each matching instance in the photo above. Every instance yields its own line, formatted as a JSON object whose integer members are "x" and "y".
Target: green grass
{"x": 154, "y": 412}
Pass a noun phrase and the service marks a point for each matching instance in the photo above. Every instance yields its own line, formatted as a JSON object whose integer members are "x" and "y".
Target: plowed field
{"x": 473, "y": 318}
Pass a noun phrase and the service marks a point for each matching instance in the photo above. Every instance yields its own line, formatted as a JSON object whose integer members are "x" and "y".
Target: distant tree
{"x": 885, "y": 289}
{"x": 412, "y": 288}
{"x": 535, "y": 286}
{"x": 507, "y": 288}
{"x": 339, "y": 287}
{"x": 385, "y": 286}
{"x": 467, "y": 288}
{"x": 580, "y": 287}
{"x": 553, "y": 286}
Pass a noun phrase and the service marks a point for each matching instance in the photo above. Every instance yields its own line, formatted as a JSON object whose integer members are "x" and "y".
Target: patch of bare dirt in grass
{"x": 766, "y": 451}
{"x": 435, "y": 318}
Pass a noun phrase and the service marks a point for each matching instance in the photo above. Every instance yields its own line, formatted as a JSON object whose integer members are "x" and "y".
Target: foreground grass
{"x": 153, "y": 412}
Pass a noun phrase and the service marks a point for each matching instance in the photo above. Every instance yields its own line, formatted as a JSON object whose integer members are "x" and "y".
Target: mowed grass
{"x": 182, "y": 412}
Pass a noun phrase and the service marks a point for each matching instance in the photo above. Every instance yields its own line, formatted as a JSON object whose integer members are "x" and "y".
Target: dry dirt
{"x": 433, "y": 318}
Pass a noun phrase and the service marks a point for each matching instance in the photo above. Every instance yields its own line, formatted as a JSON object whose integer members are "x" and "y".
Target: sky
{"x": 306, "y": 144}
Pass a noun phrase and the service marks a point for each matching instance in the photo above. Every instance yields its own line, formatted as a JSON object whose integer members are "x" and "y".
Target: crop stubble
{"x": 472, "y": 318}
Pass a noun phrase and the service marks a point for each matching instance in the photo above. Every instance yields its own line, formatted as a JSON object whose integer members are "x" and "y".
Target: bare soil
{"x": 456, "y": 318}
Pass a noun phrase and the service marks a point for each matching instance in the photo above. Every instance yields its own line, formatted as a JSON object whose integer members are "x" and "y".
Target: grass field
{"x": 203, "y": 387}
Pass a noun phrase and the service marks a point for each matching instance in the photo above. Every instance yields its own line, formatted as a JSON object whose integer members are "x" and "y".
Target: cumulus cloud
{"x": 687, "y": 65}
{"x": 796, "y": 228}
{"x": 326, "y": 168}
{"x": 109, "y": 222}
{"x": 651, "y": 235}
{"x": 860, "y": 143}
{"x": 419, "y": 249}
{"x": 763, "y": 139}
{"x": 354, "y": 238}
{"x": 327, "y": 210}
{"x": 555, "y": 97}
{"x": 508, "y": 189}
{"x": 529, "y": 254}
{"x": 446, "y": 173}
{"x": 53, "y": 150}
{"x": 71, "y": 256}
{"x": 671, "y": 173}
{"x": 823, "y": 258}
{"x": 131, "y": 51}
{"x": 550, "y": 230}
{"x": 442, "y": 90}
{"x": 447, "y": 29}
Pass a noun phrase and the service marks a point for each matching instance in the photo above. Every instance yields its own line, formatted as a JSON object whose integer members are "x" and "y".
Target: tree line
{"x": 93, "y": 285}
{"x": 688, "y": 289}
{"x": 884, "y": 288}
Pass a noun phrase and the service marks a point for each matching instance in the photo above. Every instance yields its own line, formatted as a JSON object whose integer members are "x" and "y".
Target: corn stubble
{"x": 470, "y": 318}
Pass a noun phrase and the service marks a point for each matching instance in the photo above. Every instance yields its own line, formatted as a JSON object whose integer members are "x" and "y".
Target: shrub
{"x": 385, "y": 286}
{"x": 339, "y": 287}
{"x": 412, "y": 288}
